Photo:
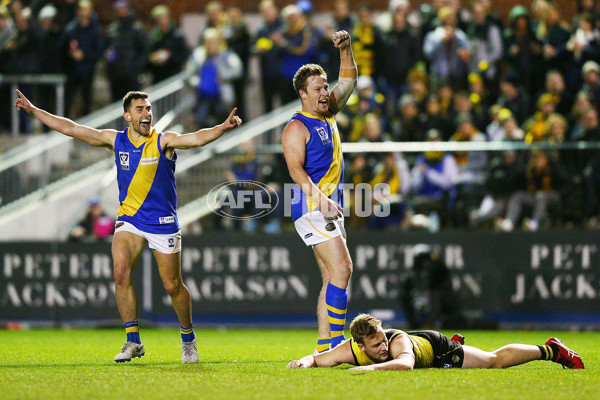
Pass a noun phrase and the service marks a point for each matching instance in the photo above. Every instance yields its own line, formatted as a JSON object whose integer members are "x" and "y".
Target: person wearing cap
{"x": 127, "y": 51}
{"x": 168, "y": 50}
{"x": 591, "y": 82}
{"x": 83, "y": 47}
{"x": 446, "y": 48}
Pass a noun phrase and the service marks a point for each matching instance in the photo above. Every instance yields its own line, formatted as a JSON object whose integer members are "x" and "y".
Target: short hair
{"x": 364, "y": 326}
{"x": 133, "y": 95}
{"x": 305, "y": 72}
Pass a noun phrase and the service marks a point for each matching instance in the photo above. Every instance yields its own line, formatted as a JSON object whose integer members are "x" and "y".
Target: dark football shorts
{"x": 446, "y": 353}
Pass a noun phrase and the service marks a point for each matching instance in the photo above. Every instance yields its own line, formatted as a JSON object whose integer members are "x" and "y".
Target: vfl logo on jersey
{"x": 330, "y": 227}
{"x": 124, "y": 159}
{"x": 166, "y": 220}
{"x": 323, "y": 135}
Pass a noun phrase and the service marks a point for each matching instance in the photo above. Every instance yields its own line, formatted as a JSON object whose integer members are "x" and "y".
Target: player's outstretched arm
{"x": 348, "y": 72}
{"x": 294, "y": 139}
{"x": 92, "y": 136}
{"x": 341, "y": 354}
{"x": 202, "y": 137}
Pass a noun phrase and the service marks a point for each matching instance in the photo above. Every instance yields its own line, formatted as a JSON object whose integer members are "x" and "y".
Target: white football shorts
{"x": 313, "y": 228}
{"x": 165, "y": 243}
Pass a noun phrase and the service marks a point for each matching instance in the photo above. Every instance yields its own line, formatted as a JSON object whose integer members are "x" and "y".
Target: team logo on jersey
{"x": 330, "y": 227}
{"x": 124, "y": 159}
{"x": 323, "y": 135}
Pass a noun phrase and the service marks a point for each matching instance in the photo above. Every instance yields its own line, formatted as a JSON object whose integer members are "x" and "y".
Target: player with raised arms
{"x": 145, "y": 162}
{"x": 373, "y": 348}
{"x": 312, "y": 150}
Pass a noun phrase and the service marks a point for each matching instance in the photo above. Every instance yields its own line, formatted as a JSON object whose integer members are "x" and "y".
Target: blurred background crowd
{"x": 447, "y": 70}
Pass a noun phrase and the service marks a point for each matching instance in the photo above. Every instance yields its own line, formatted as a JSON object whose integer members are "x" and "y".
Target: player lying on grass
{"x": 373, "y": 348}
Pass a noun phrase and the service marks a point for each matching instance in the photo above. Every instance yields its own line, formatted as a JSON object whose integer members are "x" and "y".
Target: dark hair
{"x": 305, "y": 72}
{"x": 133, "y": 96}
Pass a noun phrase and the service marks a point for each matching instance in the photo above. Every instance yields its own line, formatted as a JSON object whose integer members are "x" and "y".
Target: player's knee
{"x": 494, "y": 361}
{"x": 173, "y": 286}
{"x": 122, "y": 275}
{"x": 343, "y": 270}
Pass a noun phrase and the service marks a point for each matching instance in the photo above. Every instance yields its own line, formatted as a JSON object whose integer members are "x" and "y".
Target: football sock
{"x": 336, "y": 300}
{"x": 187, "y": 334}
{"x": 132, "y": 329}
{"x": 549, "y": 352}
{"x": 323, "y": 344}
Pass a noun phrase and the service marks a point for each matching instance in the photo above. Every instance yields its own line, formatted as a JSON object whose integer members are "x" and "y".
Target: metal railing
{"x": 58, "y": 80}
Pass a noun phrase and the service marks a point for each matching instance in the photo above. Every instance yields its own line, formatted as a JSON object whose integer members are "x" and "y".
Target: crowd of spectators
{"x": 444, "y": 71}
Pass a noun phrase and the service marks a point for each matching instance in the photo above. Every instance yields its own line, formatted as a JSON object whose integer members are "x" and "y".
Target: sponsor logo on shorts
{"x": 330, "y": 227}
{"x": 308, "y": 235}
{"x": 166, "y": 220}
{"x": 124, "y": 159}
{"x": 119, "y": 224}
{"x": 455, "y": 359}
{"x": 148, "y": 161}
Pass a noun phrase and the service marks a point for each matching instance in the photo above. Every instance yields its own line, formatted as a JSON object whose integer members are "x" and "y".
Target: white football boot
{"x": 189, "y": 352}
{"x": 130, "y": 350}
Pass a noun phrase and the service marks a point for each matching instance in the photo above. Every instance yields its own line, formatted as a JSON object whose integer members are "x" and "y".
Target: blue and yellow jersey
{"x": 146, "y": 179}
{"x": 422, "y": 349}
{"x": 323, "y": 163}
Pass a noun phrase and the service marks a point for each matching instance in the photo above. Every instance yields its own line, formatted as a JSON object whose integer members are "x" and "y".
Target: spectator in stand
{"x": 480, "y": 100}
{"x": 582, "y": 47}
{"x": 297, "y": 44}
{"x": 127, "y": 51}
{"x": 83, "y": 47}
{"x": 433, "y": 182}
{"x": 238, "y": 40}
{"x": 545, "y": 182}
{"x": 555, "y": 87}
{"x": 365, "y": 101}
{"x": 485, "y": 43}
{"x": 512, "y": 131}
{"x": 213, "y": 68}
{"x": 504, "y": 176}
{"x": 365, "y": 41}
{"x": 217, "y": 17}
{"x": 21, "y": 55}
{"x": 432, "y": 118}
{"x": 391, "y": 181}
{"x": 342, "y": 16}
{"x": 471, "y": 168}
{"x": 270, "y": 63}
{"x": 522, "y": 50}
{"x": 50, "y": 56}
{"x": 446, "y": 48}
{"x": 168, "y": 50}
{"x": 513, "y": 98}
{"x": 555, "y": 40}
{"x": 535, "y": 127}
{"x": 591, "y": 82}
{"x": 398, "y": 52}
{"x": 446, "y": 96}
{"x": 407, "y": 126}
{"x": 96, "y": 224}
{"x": 7, "y": 31}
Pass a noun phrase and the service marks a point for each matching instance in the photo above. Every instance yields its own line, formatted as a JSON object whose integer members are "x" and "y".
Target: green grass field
{"x": 250, "y": 364}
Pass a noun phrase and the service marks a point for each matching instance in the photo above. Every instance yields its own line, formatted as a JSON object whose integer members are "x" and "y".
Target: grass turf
{"x": 250, "y": 364}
